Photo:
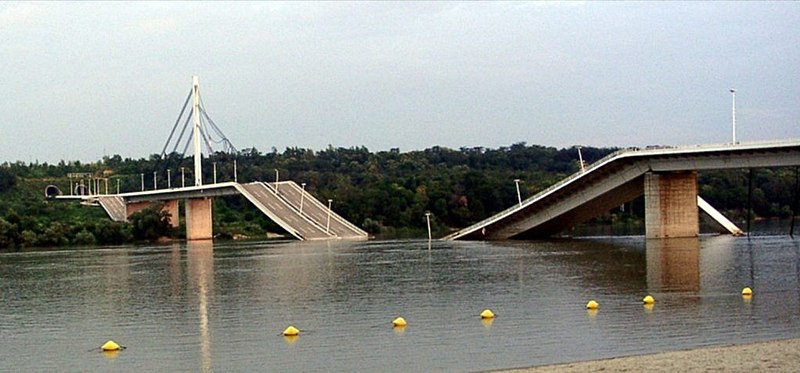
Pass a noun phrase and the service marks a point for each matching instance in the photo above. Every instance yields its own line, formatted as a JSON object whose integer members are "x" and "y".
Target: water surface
{"x": 222, "y": 307}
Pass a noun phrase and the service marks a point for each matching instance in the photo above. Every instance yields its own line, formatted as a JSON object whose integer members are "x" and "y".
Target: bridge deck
{"x": 282, "y": 207}
{"x": 616, "y": 179}
{"x": 317, "y": 212}
{"x": 114, "y": 206}
{"x": 271, "y": 204}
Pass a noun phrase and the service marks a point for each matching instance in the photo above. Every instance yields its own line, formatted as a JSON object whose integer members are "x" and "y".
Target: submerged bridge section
{"x": 667, "y": 176}
{"x": 291, "y": 207}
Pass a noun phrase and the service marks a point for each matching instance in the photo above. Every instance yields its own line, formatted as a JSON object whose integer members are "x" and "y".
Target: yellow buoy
{"x": 291, "y": 331}
{"x": 110, "y": 346}
{"x": 487, "y": 314}
{"x": 747, "y": 291}
{"x": 648, "y": 299}
{"x": 399, "y": 322}
{"x": 592, "y": 305}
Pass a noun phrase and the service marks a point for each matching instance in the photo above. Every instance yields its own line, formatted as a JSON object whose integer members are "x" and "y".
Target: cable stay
{"x": 183, "y": 109}
{"x": 211, "y": 133}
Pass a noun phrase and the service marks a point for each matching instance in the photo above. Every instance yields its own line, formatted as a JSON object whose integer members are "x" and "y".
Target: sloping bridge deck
{"x": 614, "y": 180}
{"x": 282, "y": 206}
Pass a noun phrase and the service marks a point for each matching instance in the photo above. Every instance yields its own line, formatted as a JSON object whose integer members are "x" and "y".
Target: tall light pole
{"x": 302, "y": 194}
{"x": 155, "y": 180}
{"x": 733, "y": 114}
{"x": 142, "y": 175}
{"x": 235, "y": 174}
{"x": 215, "y": 172}
{"x": 519, "y": 196}
{"x": 328, "y": 224}
{"x": 117, "y": 185}
{"x": 428, "y": 218}
{"x": 169, "y": 179}
{"x": 580, "y": 158}
{"x": 276, "y": 180}
{"x": 183, "y": 175}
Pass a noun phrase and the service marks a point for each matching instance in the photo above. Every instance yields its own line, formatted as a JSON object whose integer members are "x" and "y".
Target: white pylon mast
{"x": 198, "y": 156}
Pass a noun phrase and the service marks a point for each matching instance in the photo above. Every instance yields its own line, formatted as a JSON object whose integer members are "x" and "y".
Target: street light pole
{"x": 155, "y": 180}
{"x": 142, "y": 175}
{"x": 580, "y": 158}
{"x": 215, "y": 172}
{"x": 235, "y": 174}
{"x": 733, "y": 114}
{"x": 519, "y": 196}
{"x": 169, "y": 179}
{"x": 302, "y": 194}
{"x": 183, "y": 174}
{"x": 428, "y": 217}
{"x": 276, "y": 180}
{"x": 328, "y": 224}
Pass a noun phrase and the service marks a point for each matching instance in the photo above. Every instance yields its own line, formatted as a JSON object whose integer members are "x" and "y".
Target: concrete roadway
{"x": 316, "y": 211}
{"x": 283, "y": 214}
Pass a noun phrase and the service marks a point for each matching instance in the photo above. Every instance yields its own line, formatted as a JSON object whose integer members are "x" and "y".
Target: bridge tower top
{"x": 198, "y": 156}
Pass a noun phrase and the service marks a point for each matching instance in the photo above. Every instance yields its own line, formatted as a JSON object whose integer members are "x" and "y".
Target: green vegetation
{"x": 387, "y": 193}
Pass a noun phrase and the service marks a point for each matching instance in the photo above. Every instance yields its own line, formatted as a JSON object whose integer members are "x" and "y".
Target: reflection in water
{"x": 673, "y": 265}
{"x": 200, "y": 256}
{"x": 168, "y": 302}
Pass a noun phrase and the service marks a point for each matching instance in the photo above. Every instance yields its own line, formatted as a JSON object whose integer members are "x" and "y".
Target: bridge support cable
{"x": 183, "y": 131}
{"x": 223, "y": 139}
{"x": 175, "y": 126}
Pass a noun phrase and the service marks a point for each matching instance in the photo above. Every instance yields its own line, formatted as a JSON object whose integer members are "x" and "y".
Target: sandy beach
{"x": 774, "y": 356}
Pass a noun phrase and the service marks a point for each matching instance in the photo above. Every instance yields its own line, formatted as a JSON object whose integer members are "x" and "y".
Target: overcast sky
{"x": 83, "y": 80}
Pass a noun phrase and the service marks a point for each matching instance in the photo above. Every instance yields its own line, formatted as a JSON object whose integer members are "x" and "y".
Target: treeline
{"x": 386, "y": 192}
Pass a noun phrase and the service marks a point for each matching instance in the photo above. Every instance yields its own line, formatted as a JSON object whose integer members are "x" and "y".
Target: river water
{"x": 222, "y": 307}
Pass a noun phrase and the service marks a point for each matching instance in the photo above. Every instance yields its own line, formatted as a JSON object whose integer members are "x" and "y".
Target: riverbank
{"x": 774, "y": 356}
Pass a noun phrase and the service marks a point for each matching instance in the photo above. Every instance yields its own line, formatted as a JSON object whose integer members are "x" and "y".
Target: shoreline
{"x": 777, "y": 356}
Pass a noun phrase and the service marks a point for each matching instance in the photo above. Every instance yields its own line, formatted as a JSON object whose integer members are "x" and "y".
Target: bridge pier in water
{"x": 198, "y": 219}
{"x": 670, "y": 200}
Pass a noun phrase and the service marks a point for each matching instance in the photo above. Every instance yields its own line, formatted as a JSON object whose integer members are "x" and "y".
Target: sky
{"x": 84, "y": 80}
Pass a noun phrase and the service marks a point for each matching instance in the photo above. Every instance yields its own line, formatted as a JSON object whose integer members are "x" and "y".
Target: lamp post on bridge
{"x": 328, "y": 224}
{"x": 428, "y": 218}
{"x": 302, "y": 194}
{"x": 235, "y": 174}
{"x": 117, "y": 185}
{"x": 276, "y": 180}
{"x": 519, "y": 196}
{"x": 169, "y": 179}
{"x": 142, "y": 175}
{"x": 155, "y": 180}
{"x": 215, "y": 172}
{"x": 733, "y": 114}
{"x": 183, "y": 174}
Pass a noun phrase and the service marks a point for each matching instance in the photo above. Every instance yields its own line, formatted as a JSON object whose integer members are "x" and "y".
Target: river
{"x": 222, "y": 306}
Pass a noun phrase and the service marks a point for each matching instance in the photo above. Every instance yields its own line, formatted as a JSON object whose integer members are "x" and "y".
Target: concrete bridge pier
{"x": 198, "y": 219}
{"x": 670, "y": 200}
{"x": 171, "y": 207}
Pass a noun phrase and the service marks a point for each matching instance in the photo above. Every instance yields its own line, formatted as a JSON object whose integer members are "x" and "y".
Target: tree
{"x": 7, "y": 179}
{"x": 151, "y": 223}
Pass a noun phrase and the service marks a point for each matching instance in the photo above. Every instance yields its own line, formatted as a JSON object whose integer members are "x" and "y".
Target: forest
{"x": 386, "y": 193}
